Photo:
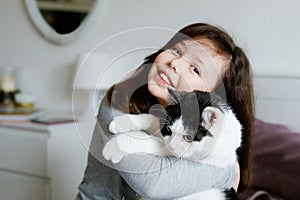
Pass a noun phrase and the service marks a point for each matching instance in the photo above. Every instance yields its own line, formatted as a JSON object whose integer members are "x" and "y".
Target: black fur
{"x": 230, "y": 194}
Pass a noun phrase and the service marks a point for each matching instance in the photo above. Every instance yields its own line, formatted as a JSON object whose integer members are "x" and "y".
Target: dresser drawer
{"x": 23, "y": 151}
{"x": 20, "y": 187}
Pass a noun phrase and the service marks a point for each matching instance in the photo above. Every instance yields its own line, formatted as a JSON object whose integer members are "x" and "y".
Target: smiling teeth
{"x": 165, "y": 78}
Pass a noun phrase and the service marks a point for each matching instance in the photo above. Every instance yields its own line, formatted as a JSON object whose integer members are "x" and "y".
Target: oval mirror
{"x": 62, "y": 21}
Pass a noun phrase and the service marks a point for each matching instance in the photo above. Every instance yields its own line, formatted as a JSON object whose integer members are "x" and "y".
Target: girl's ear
{"x": 209, "y": 116}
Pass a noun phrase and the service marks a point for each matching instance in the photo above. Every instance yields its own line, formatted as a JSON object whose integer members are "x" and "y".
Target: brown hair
{"x": 237, "y": 81}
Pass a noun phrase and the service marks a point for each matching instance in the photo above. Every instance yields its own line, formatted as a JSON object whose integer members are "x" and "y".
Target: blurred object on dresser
{"x": 8, "y": 86}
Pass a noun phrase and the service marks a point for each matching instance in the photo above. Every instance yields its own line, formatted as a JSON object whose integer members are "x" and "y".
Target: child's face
{"x": 187, "y": 66}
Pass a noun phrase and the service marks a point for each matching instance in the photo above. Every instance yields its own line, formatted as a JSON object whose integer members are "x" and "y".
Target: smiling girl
{"x": 198, "y": 57}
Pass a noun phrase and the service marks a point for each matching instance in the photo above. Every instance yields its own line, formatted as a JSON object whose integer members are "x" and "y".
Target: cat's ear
{"x": 174, "y": 96}
{"x": 209, "y": 116}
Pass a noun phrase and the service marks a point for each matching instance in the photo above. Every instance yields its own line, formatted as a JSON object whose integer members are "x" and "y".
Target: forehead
{"x": 197, "y": 47}
{"x": 204, "y": 51}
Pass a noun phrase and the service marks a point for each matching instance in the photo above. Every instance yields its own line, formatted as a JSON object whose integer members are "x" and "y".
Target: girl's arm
{"x": 158, "y": 177}
{"x": 169, "y": 178}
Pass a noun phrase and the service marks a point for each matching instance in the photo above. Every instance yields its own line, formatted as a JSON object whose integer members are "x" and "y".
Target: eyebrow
{"x": 182, "y": 43}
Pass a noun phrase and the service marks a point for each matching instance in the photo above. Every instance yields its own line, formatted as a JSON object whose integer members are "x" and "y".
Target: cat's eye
{"x": 188, "y": 138}
{"x": 166, "y": 131}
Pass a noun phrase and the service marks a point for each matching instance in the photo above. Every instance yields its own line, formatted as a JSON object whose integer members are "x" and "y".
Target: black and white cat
{"x": 198, "y": 126}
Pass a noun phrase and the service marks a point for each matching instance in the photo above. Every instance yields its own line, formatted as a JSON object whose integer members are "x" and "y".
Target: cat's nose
{"x": 171, "y": 148}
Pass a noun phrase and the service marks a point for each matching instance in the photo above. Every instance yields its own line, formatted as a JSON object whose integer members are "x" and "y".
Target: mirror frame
{"x": 50, "y": 34}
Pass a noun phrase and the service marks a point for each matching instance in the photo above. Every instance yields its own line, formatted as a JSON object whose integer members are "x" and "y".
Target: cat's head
{"x": 190, "y": 120}
{"x": 190, "y": 107}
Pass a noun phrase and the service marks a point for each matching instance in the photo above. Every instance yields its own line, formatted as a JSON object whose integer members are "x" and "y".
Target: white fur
{"x": 133, "y": 142}
{"x": 226, "y": 131}
{"x": 128, "y": 122}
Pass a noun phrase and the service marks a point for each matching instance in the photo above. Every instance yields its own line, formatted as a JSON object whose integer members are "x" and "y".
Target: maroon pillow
{"x": 276, "y": 161}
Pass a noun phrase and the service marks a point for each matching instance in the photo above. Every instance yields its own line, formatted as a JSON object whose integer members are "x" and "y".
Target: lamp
{"x": 88, "y": 83}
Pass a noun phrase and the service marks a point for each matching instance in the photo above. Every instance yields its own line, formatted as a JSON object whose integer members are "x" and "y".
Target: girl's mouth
{"x": 166, "y": 76}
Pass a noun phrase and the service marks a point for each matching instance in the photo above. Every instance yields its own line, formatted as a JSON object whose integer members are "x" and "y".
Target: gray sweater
{"x": 145, "y": 175}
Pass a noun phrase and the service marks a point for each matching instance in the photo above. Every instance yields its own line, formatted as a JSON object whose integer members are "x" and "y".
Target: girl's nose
{"x": 179, "y": 64}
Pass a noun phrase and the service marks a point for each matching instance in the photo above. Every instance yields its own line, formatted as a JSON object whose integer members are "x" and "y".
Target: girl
{"x": 198, "y": 57}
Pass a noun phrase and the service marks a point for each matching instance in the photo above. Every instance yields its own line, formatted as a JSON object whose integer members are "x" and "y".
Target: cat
{"x": 198, "y": 126}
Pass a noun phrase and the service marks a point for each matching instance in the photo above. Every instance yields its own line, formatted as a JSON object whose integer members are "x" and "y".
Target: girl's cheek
{"x": 188, "y": 85}
{"x": 184, "y": 85}
{"x": 163, "y": 58}
{"x": 159, "y": 58}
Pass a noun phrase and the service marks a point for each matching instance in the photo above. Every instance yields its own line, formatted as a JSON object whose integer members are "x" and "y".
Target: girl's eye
{"x": 176, "y": 51}
{"x": 196, "y": 70}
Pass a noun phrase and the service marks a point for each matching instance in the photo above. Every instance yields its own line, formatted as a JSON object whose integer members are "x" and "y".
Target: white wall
{"x": 267, "y": 31}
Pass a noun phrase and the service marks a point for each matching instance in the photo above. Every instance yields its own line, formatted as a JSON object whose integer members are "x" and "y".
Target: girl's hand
{"x": 236, "y": 176}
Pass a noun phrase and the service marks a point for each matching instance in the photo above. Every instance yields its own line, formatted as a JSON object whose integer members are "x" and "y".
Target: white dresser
{"x": 40, "y": 162}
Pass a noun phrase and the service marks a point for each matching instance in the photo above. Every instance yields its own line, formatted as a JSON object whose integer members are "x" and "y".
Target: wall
{"x": 265, "y": 29}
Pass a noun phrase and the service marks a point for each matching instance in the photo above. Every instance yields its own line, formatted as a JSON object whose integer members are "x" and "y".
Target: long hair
{"x": 133, "y": 96}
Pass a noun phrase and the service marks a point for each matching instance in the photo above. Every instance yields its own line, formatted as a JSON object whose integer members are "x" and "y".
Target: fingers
{"x": 236, "y": 180}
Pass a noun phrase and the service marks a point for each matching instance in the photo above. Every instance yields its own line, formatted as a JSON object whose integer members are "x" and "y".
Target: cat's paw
{"x": 114, "y": 127}
{"x": 112, "y": 152}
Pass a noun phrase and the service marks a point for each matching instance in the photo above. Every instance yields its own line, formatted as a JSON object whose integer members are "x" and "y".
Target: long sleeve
{"x": 151, "y": 176}
{"x": 165, "y": 178}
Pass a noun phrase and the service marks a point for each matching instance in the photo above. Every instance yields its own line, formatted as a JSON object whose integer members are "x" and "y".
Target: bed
{"x": 276, "y": 140}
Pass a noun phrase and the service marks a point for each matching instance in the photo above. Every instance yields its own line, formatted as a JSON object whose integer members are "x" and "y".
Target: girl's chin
{"x": 160, "y": 92}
